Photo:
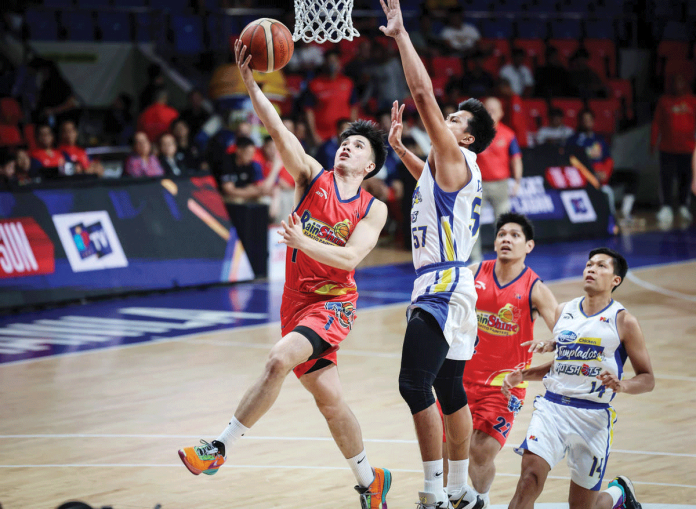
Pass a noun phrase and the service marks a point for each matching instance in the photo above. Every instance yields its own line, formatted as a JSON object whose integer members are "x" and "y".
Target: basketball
{"x": 342, "y": 230}
{"x": 269, "y": 43}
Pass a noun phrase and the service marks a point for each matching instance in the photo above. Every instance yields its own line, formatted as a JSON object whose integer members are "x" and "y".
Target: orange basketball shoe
{"x": 206, "y": 458}
{"x": 375, "y": 495}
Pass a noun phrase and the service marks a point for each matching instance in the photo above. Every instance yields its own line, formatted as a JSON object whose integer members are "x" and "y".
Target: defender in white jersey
{"x": 593, "y": 337}
{"x": 441, "y": 327}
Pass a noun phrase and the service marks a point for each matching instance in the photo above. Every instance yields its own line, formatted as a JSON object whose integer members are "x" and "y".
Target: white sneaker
{"x": 685, "y": 214}
{"x": 465, "y": 499}
{"x": 429, "y": 501}
{"x": 665, "y": 215}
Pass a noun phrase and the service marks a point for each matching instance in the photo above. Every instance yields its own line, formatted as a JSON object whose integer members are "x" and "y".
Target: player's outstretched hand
{"x": 395, "y": 21}
{"x": 397, "y": 126}
{"x": 540, "y": 346}
{"x": 512, "y": 379}
{"x": 610, "y": 381}
{"x": 292, "y": 232}
{"x": 243, "y": 61}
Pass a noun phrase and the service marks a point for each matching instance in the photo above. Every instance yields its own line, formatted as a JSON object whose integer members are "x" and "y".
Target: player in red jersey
{"x": 510, "y": 297}
{"x": 334, "y": 226}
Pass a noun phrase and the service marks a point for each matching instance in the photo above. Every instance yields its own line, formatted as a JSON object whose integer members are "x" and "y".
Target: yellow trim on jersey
{"x": 613, "y": 418}
{"x": 330, "y": 289}
{"x": 498, "y": 381}
{"x": 445, "y": 281}
{"x": 449, "y": 243}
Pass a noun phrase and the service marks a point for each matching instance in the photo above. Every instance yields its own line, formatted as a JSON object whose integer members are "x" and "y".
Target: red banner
{"x": 25, "y": 249}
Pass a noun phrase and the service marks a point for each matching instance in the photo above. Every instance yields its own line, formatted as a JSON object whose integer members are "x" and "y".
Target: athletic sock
{"x": 486, "y": 498}
{"x": 617, "y": 496}
{"x": 434, "y": 480}
{"x": 361, "y": 469}
{"x": 456, "y": 476}
{"x": 233, "y": 432}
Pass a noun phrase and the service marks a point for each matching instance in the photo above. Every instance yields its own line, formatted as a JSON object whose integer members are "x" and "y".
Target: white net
{"x": 324, "y": 20}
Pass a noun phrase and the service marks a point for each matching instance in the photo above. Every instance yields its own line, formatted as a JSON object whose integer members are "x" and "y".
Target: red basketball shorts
{"x": 330, "y": 317}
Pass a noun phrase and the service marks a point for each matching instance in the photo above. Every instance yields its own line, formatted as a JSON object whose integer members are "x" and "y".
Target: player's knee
{"x": 451, "y": 394}
{"x": 531, "y": 480}
{"x": 479, "y": 454}
{"x": 416, "y": 387}
{"x": 277, "y": 365}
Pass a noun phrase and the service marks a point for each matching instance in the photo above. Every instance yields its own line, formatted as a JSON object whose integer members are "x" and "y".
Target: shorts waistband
{"x": 574, "y": 402}
{"x": 433, "y": 267}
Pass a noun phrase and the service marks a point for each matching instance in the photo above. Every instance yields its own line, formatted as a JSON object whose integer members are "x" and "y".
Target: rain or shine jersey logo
{"x": 502, "y": 324}
{"x": 337, "y": 234}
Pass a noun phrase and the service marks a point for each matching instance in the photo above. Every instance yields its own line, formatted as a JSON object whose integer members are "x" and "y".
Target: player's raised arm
{"x": 413, "y": 163}
{"x": 452, "y": 172}
{"x": 361, "y": 241}
{"x": 299, "y": 164}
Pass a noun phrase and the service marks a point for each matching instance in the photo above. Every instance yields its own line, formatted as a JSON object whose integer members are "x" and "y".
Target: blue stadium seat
{"x": 115, "y": 26}
{"x": 511, "y": 6}
{"x": 676, "y": 31}
{"x": 600, "y": 28}
{"x": 608, "y": 7}
{"x": 566, "y": 28}
{"x": 575, "y": 6}
{"x": 42, "y": 25}
{"x": 94, "y": 4}
{"x": 143, "y": 27}
{"x": 479, "y": 5}
{"x": 176, "y": 6}
{"x": 131, "y": 3}
{"x": 542, "y": 6}
{"x": 668, "y": 9}
{"x": 188, "y": 34}
{"x": 531, "y": 29}
{"x": 60, "y": 4}
{"x": 496, "y": 28}
{"x": 211, "y": 5}
{"x": 79, "y": 24}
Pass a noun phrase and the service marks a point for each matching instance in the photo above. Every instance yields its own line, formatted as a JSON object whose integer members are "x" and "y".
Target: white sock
{"x": 627, "y": 204}
{"x": 361, "y": 469}
{"x": 233, "y": 432}
{"x": 457, "y": 475}
{"x": 486, "y": 498}
{"x": 434, "y": 480}
{"x": 616, "y": 495}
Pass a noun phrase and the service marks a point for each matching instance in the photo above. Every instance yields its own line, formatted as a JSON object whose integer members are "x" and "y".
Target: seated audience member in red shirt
{"x": 155, "y": 120}
{"x": 74, "y": 154}
{"x": 142, "y": 163}
{"x": 49, "y": 160}
{"x": 331, "y": 96}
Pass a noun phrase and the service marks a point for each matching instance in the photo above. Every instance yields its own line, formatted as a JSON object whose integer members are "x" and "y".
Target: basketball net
{"x": 324, "y": 20}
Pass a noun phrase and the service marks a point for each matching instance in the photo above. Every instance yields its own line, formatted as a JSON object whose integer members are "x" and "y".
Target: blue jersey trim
{"x": 598, "y": 486}
{"x": 438, "y": 266}
{"x": 338, "y": 195}
{"x": 369, "y": 205}
{"x": 478, "y": 270}
{"x": 597, "y": 313}
{"x": 309, "y": 187}
{"x": 531, "y": 305}
{"x": 574, "y": 402}
{"x": 511, "y": 282}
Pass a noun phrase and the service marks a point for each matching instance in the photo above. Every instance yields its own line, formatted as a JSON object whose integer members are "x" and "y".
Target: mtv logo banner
{"x": 90, "y": 241}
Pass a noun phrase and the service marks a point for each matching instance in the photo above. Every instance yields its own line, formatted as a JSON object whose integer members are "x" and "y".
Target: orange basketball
{"x": 269, "y": 43}
{"x": 342, "y": 230}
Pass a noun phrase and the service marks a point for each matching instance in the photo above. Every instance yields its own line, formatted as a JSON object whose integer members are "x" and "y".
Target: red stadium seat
{"x": 678, "y": 66}
{"x": 673, "y": 50}
{"x": 10, "y": 111}
{"x": 492, "y": 65}
{"x": 439, "y": 85}
{"x": 535, "y": 49}
{"x": 348, "y": 49}
{"x": 623, "y": 91}
{"x": 537, "y": 113}
{"x": 570, "y": 108}
{"x": 565, "y": 47}
{"x": 606, "y": 112}
{"x": 602, "y": 57}
{"x": 500, "y": 49}
{"x": 29, "y": 133}
{"x": 294, "y": 83}
{"x": 446, "y": 67}
{"x": 10, "y": 136}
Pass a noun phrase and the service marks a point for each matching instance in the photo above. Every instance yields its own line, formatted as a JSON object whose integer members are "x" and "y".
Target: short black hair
{"x": 555, "y": 112}
{"x": 481, "y": 125}
{"x": 374, "y": 135}
{"x": 244, "y": 142}
{"x": 42, "y": 125}
{"x": 617, "y": 260}
{"x": 267, "y": 139}
{"x": 520, "y": 219}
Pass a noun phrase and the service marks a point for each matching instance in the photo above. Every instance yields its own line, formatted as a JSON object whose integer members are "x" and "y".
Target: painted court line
{"x": 658, "y": 289}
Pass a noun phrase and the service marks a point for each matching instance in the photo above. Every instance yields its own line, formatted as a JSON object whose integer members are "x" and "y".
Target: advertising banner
{"x": 112, "y": 237}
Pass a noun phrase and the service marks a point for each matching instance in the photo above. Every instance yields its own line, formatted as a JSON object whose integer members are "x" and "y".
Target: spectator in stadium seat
{"x": 241, "y": 174}
{"x": 170, "y": 163}
{"x": 74, "y": 154}
{"x": 49, "y": 161}
{"x": 327, "y": 150}
{"x": 186, "y": 152}
{"x": 56, "y": 100}
{"x": 195, "y": 113}
{"x": 8, "y": 172}
{"x": 556, "y": 133}
{"x": 25, "y": 171}
{"x": 424, "y": 38}
{"x": 118, "y": 122}
{"x": 306, "y": 58}
{"x": 142, "y": 163}
{"x": 585, "y": 82}
{"x": 518, "y": 74}
{"x": 514, "y": 116}
{"x": 501, "y": 160}
{"x": 155, "y": 81}
{"x": 475, "y": 83}
{"x": 279, "y": 180}
{"x": 330, "y": 96}
{"x": 156, "y": 119}
{"x": 388, "y": 78}
{"x": 673, "y": 125}
{"x": 461, "y": 37}
{"x": 553, "y": 78}
{"x": 357, "y": 69}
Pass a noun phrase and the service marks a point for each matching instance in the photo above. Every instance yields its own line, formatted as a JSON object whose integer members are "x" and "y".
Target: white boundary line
{"x": 658, "y": 289}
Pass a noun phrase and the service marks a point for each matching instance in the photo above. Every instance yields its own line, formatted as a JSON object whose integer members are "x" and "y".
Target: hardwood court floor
{"x": 105, "y": 426}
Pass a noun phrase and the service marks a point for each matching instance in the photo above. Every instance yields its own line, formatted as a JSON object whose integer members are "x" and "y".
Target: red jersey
{"x": 53, "y": 160}
{"x": 328, "y": 219}
{"x": 494, "y": 162}
{"x": 156, "y": 119}
{"x": 675, "y": 123}
{"x": 76, "y": 155}
{"x": 504, "y": 321}
{"x": 331, "y": 100}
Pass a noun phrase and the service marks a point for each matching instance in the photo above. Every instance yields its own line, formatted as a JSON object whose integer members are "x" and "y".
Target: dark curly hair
{"x": 481, "y": 125}
{"x": 374, "y": 135}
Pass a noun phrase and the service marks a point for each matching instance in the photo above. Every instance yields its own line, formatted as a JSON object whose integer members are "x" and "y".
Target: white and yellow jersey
{"x": 585, "y": 346}
{"x": 445, "y": 226}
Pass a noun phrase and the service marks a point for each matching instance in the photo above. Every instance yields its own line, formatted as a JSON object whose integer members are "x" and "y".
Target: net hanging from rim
{"x": 324, "y": 20}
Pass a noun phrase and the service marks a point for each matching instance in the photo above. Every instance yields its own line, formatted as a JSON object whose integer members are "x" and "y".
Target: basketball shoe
{"x": 429, "y": 501}
{"x": 375, "y": 495}
{"x": 466, "y": 499}
{"x": 629, "y": 493}
{"x": 206, "y": 458}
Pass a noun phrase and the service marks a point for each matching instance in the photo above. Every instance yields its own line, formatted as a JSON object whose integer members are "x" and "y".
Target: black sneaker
{"x": 629, "y": 492}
